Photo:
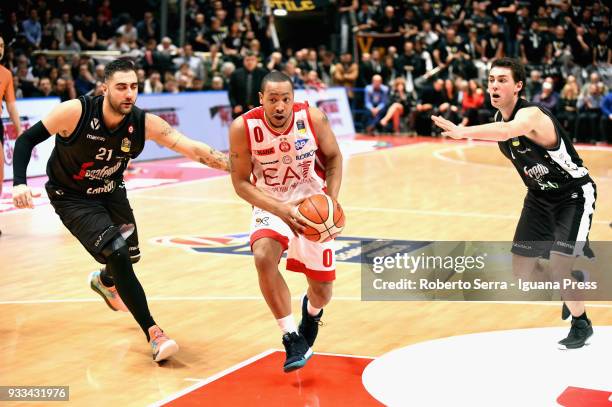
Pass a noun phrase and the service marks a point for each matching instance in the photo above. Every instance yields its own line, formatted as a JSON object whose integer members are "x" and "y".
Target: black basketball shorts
{"x": 96, "y": 221}
{"x": 556, "y": 222}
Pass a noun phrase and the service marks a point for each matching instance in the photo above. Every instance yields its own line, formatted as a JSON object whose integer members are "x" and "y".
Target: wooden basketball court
{"x": 55, "y": 331}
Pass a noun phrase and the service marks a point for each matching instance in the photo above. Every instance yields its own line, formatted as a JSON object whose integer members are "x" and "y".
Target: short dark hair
{"x": 518, "y": 70}
{"x": 275, "y": 76}
{"x": 118, "y": 65}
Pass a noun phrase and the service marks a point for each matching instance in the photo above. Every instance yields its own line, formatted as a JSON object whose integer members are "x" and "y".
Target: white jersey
{"x": 287, "y": 166}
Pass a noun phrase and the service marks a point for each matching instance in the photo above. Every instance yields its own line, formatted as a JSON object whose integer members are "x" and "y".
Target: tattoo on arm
{"x": 325, "y": 119}
{"x": 232, "y": 157}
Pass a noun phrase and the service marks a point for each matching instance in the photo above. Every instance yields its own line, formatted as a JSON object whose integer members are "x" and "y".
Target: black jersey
{"x": 92, "y": 159}
{"x": 542, "y": 169}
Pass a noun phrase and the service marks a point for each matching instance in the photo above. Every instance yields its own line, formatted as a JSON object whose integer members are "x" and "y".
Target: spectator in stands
{"x": 346, "y": 72}
{"x": 602, "y": 52}
{"x": 129, "y": 32}
{"x": 227, "y": 69}
{"x": 171, "y": 87}
{"x": 345, "y": 23}
{"x": 166, "y": 47}
{"x": 217, "y": 83}
{"x": 84, "y": 81}
{"x": 184, "y": 76}
{"x": 104, "y": 32}
{"x": 147, "y": 27}
{"x": 198, "y": 34}
{"x": 581, "y": 51}
{"x": 472, "y": 100}
{"x": 245, "y": 84}
{"x": 376, "y": 99}
{"x": 195, "y": 63}
{"x": 292, "y": 72}
{"x": 534, "y": 84}
{"x": 118, "y": 44}
{"x": 41, "y": 66}
{"x": 428, "y": 35}
{"x": 64, "y": 88}
{"x": 153, "y": 83}
{"x": 493, "y": 43}
{"x": 326, "y": 68}
{"x": 428, "y": 103}
{"x": 365, "y": 18}
{"x": 589, "y": 114}
{"x": 86, "y": 32}
{"x": 399, "y": 105}
{"x": 99, "y": 73}
{"x": 69, "y": 44}
{"x": 11, "y": 27}
{"x": 533, "y": 46}
{"x": 567, "y": 112}
{"x": 215, "y": 34}
{"x": 211, "y": 64}
{"x": 606, "y": 118}
{"x": 232, "y": 43}
{"x": 275, "y": 61}
{"x": 451, "y": 108}
{"x": 547, "y": 97}
{"x": 313, "y": 82}
{"x": 558, "y": 50}
{"x": 32, "y": 29}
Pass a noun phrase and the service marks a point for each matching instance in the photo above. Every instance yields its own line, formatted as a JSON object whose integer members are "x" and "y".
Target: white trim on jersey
{"x": 564, "y": 159}
{"x": 587, "y": 213}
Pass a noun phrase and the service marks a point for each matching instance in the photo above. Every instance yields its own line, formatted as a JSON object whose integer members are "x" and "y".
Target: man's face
{"x": 502, "y": 87}
{"x": 121, "y": 90}
{"x": 45, "y": 85}
{"x": 277, "y": 102}
{"x": 250, "y": 62}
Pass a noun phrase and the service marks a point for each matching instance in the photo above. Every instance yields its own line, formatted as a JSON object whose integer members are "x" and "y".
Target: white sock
{"x": 312, "y": 311}
{"x": 287, "y": 324}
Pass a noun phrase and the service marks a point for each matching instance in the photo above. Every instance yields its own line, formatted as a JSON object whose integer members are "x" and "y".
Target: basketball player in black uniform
{"x": 560, "y": 202}
{"x": 95, "y": 139}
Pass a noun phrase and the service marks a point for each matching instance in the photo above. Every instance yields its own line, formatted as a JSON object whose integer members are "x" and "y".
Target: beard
{"x": 118, "y": 108}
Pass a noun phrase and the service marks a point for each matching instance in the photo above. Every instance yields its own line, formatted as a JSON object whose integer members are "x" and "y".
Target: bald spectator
{"x": 166, "y": 47}
{"x": 376, "y": 98}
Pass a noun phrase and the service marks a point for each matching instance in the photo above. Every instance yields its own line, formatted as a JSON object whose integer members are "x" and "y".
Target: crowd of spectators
{"x": 432, "y": 60}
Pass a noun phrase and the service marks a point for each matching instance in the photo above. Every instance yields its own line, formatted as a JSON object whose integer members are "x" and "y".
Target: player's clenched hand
{"x": 449, "y": 128}
{"x": 22, "y": 196}
{"x": 289, "y": 214}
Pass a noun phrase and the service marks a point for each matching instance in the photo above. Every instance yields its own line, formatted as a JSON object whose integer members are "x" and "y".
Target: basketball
{"x": 324, "y": 218}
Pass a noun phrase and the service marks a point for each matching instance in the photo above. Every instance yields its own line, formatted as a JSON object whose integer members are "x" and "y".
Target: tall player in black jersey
{"x": 95, "y": 139}
{"x": 558, "y": 209}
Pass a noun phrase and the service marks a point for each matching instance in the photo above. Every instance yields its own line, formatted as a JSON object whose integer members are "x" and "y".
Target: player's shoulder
{"x": 254, "y": 113}
{"x": 69, "y": 108}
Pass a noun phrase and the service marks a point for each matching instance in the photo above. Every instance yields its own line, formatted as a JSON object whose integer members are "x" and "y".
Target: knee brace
{"x": 116, "y": 248}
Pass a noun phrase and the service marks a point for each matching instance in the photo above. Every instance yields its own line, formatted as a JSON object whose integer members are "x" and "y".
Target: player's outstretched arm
{"x": 62, "y": 120}
{"x": 329, "y": 147}
{"x": 527, "y": 122}
{"x": 240, "y": 170}
{"x": 158, "y": 130}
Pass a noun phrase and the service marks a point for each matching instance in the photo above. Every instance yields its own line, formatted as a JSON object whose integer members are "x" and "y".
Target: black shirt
{"x": 543, "y": 169}
{"x": 92, "y": 159}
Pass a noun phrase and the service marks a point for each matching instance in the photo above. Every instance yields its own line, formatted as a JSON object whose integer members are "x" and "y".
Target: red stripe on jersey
{"x": 246, "y": 128}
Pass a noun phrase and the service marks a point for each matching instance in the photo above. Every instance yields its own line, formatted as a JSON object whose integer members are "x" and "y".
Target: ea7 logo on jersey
{"x": 305, "y": 155}
{"x": 95, "y": 123}
{"x": 299, "y": 144}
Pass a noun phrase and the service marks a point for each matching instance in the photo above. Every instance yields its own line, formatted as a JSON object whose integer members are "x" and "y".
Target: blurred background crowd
{"x": 400, "y": 61}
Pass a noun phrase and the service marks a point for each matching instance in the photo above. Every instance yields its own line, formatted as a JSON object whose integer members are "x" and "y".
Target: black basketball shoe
{"x": 580, "y": 331}
{"x": 297, "y": 350}
{"x": 309, "y": 326}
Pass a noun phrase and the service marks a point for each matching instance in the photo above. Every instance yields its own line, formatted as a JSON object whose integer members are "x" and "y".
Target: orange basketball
{"x": 324, "y": 218}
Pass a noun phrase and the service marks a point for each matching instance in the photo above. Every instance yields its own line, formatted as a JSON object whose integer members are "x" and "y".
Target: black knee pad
{"x": 117, "y": 248}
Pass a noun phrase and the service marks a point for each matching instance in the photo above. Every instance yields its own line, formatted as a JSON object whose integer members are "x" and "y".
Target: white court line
{"x": 212, "y": 378}
{"x": 294, "y": 298}
{"x": 439, "y": 154}
{"x": 361, "y": 209}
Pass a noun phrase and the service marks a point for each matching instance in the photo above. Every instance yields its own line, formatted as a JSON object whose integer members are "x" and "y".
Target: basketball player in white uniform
{"x": 281, "y": 153}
